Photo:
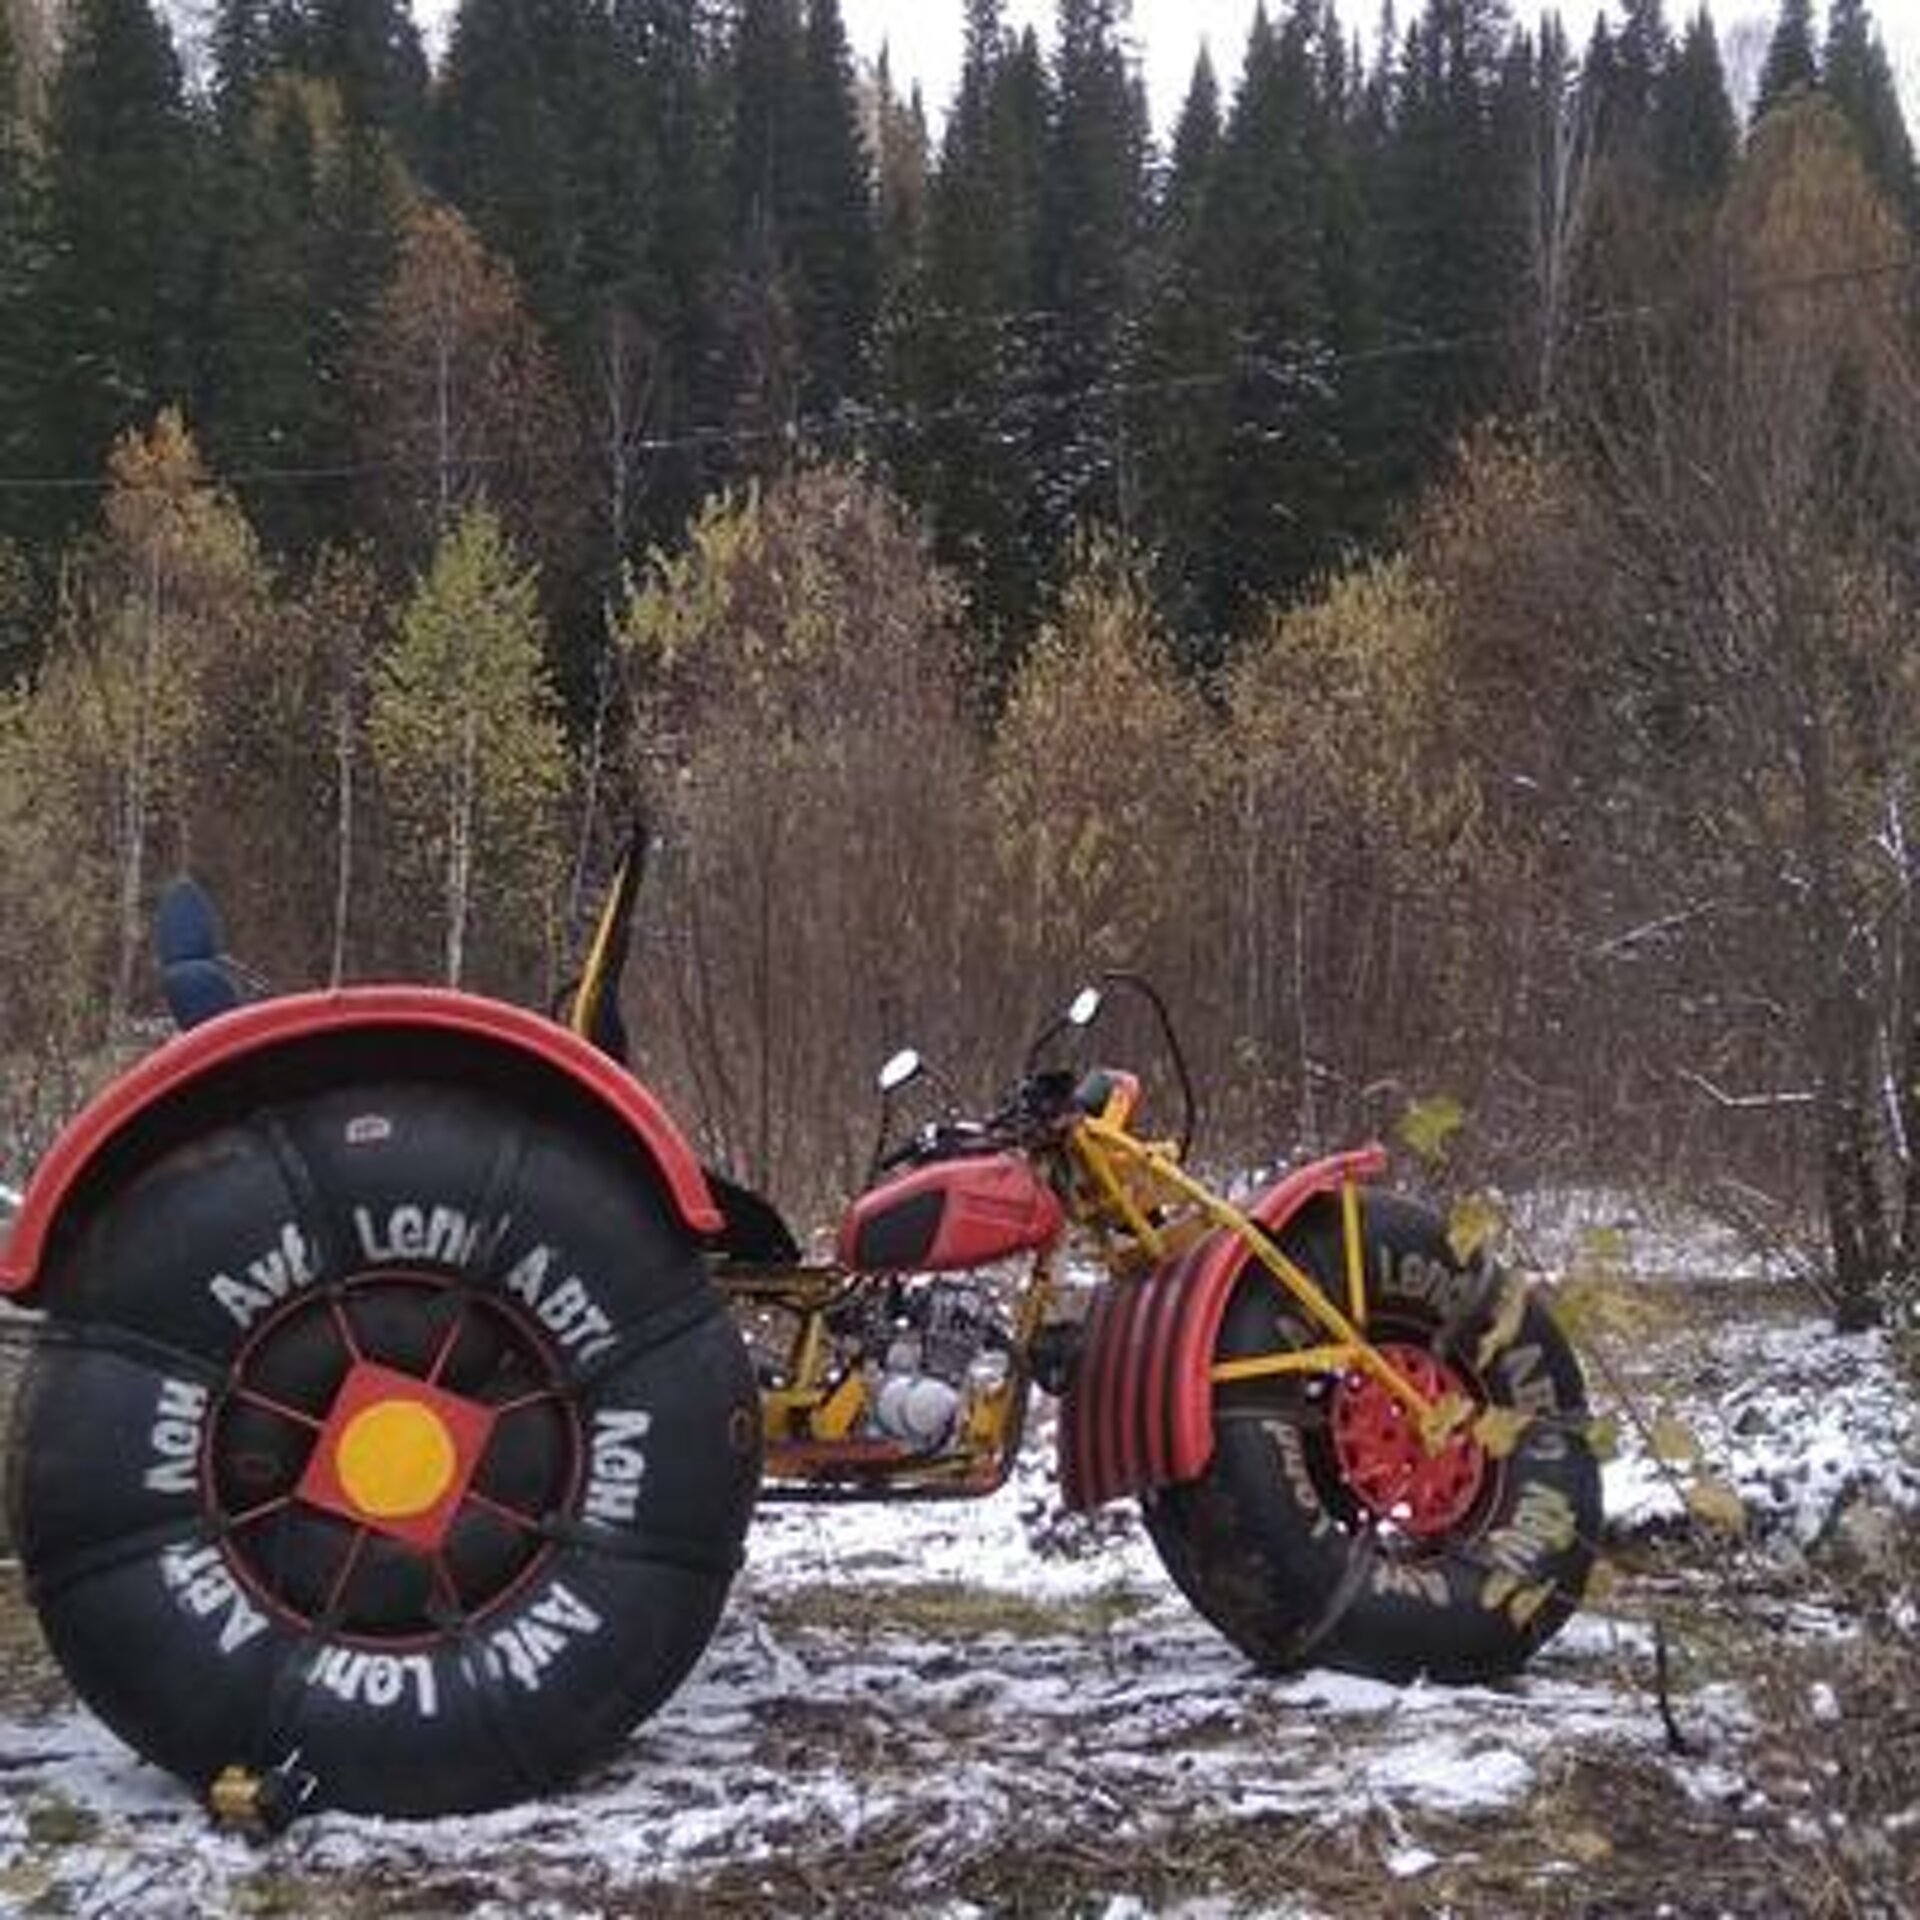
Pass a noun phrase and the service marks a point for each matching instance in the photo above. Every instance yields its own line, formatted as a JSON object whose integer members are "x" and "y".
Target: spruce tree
{"x": 1696, "y": 135}
{"x": 964, "y": 355}
{"x": 1791, "y": 62}
{"x": 110, "y": 307}
{"x": 1270, "y": 246}
{"x": 680, "y": 109}
{"x": 1641, "y": 53}
{"x": 1182, "y": 407}
{"x": 1860, "y": 83}
{"x": 1093, "y": 200}
{"x": 1457, "y": 211}
{"x": 249, "y": 40}
{"x": 526, "y": 117}
{"x": 371, "y": 51}
{"x": 18, "y": 358}
{"x": 827, "y": 218}
{"x": 301, "y": 238}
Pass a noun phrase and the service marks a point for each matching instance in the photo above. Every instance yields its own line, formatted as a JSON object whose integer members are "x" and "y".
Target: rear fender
{"x": 265, "y": 1052}
{"x": 1138, "y": 1411}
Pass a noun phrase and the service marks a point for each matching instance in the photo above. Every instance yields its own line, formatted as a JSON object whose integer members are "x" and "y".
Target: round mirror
{"x": 904, "y": 1066}
{"x": 1086, "y": 1003}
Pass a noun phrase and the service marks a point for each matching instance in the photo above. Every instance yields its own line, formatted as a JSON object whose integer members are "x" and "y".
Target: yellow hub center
{"x": 395, "y": 1459}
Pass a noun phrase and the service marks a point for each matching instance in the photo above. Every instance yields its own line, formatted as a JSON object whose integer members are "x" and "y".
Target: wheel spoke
{"x": 252, "y": 1515}
{"x": 521, "y": 1401}
{"x": 337, "y": 1592}
{"x": 513, "y": 1516}
{"x": 448, "y": 1341}
{"x": 278, "y": 1408}
{"x": 445, "y": 1593}
{"x": 343, "y": 1326}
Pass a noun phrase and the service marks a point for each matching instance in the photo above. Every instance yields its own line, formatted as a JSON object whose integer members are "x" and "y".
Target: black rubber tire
{"x": 1275, "y": 1548}
{"x": 215, "y": 1299}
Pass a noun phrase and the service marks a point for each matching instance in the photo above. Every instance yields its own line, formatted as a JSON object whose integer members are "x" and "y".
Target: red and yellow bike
{"x": 403, "y": 1385}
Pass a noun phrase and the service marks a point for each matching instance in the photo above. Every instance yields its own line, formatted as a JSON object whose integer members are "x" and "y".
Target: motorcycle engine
{"x": 935, "y": 1342}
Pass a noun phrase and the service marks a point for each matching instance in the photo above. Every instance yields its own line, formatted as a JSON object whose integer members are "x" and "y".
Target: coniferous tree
{"x": 829, "y": 218}
{"x": 371, "y": 51}
{"x": 301, "y": 239}
{"x": 1183, "y": 407}
{"x": 964, "y": 351}
{"x": 12, "y": 104}
{"x": 1791, "y": 61}
{"x": 17, "y": 358}
{"x": 1271, "y": 245}
{"x": 1696, "y": 135}
{"x": 1600, "y": 78}
{"x": 803, "y": 282}
{"x": 248, "y": 41}
{"x": 677, "y": 264}
{"x": 527, "y": 120}
{"x": 1092, "y": 205}
{"x": 1860, "y": 82}
{"x": 1457, "y": 211}
{"x": 110, "y": 304}
{"x": 1641, "y": 52}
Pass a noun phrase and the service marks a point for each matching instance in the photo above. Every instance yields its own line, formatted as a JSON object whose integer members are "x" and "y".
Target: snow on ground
{"x": 1642, "y": 1237}
{"x": 1797, "y": 1419}
{"x": 938, "y": 1688}
{"x": 1101, "y": 1709}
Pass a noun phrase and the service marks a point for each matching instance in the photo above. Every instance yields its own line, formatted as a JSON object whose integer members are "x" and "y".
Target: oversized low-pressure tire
{"x": 1323, "y": 1532}
{"x": 397, "y": 1430}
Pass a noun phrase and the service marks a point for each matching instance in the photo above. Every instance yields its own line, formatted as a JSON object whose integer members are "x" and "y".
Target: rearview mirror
{"x": 1085, "y": 1004}
{"x": 904, "y": 1066}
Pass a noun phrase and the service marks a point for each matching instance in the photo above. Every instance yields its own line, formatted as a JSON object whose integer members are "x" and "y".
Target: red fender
{"x": 250, "y": 1032}
{"x": 1138, "y": 1412}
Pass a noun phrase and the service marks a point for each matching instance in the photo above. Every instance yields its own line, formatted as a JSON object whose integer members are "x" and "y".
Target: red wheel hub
{"x": 396, "y": 1455}
{"x": 1384, "y": 1461}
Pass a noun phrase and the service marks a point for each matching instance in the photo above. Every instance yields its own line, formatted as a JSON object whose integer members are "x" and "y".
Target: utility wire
{"x": 856, "y": 419}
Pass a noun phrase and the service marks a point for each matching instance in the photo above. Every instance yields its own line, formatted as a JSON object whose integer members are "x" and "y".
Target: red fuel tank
{"x": 956, "y": 1213}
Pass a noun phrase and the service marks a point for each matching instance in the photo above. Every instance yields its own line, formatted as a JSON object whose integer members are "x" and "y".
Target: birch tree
{"x": 466, "y": 737}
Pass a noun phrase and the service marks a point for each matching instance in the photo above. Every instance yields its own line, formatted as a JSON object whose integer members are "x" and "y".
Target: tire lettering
{"x": 1543, "y": 1525}
{"x": 1448, "y": 1290}
{"x": 175, "y": 1437}
{"x": 377, "y": 1680}
{"x": 280, "y": 1271}
{"x": 200, "y": 1583}
{"x": 423, "y": 1231}
{"x": 619, "y": 1465}
{"x": 1522, "y": 1372}
{"x": 1426, "y": 1584}
{"x": 567, "y": 1310}
{"x": 526, "y": 1649}
{"x": 1298, "y": 1476}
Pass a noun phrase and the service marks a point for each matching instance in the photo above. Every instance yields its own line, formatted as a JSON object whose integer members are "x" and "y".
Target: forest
{"x": 1422, "y": 562}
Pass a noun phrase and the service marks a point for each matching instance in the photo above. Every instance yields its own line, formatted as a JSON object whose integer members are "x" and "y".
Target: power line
{"x": 857, "y": 420}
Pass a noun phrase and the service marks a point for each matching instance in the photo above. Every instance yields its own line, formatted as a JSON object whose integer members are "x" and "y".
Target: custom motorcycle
{"x": 402, "y": 1385}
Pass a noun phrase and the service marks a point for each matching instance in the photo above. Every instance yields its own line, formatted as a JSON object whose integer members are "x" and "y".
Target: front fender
{"x": 237, "y": 1058}
{"x": 1138, "y": 1411}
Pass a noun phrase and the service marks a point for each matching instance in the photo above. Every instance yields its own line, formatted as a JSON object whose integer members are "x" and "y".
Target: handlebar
{"x": 1042, "y": 1100}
